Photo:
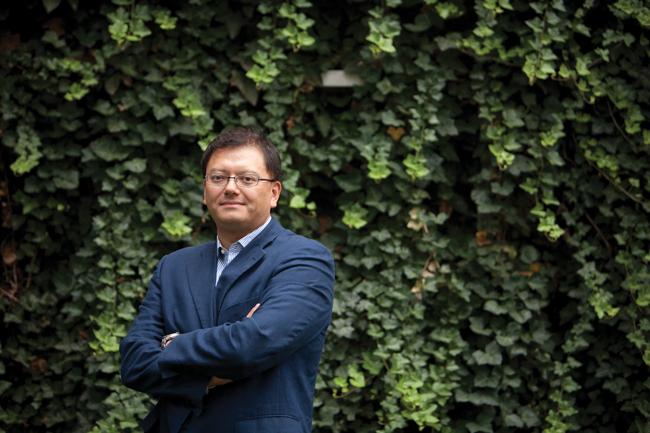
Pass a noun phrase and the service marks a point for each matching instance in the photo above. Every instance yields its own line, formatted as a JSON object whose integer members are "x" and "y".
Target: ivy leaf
{"x": 554, "y": 158}
{"x": 4, "y": 385}
{"x": 164, "y": 19}
{"x": 503, "y": 157}
{"x": 421, "y": 23}
{"x": 109, "y": 150}
{"x": 299, "y": 199}
{"x": 378, "y": 169}
{"x": 50, "y": 5}
{"x": 136, "y": 165}
{"x": 246, "y": 87}
{"x": 601, "y": 301}
{"x": 490, "y": 356}
{"x": 297, "y": 202}
{"x": 512, "y": 118}
{"x": 388, "y": 118}
{"x": 324, "y": 124}
{"x": 383, "y": 29}
{"x": 416, "y": 166}
{"x": 112, "y": 84}
{"x": 27, "y": 144}
{"x": 67, "y": 179}
{"x": 349, "y": 182}
{"x": 176, "y": 224}
{"x": 493, "y": 307}
{"x": 356, "y": 376}
{"x": 529, "y": 254}
{"x": 119, "y": 27}
{"x": 354, "y": 216}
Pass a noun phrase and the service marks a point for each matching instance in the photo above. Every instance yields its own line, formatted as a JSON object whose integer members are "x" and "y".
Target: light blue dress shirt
{"x": 225, "y": 256}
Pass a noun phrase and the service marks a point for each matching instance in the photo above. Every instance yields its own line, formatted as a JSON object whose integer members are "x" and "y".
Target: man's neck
{"x": 226, "y": 239}
{"x": 229, "y": 237}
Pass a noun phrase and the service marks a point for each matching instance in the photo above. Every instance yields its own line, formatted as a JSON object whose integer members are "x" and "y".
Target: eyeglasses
{"x": 247, "y": 180}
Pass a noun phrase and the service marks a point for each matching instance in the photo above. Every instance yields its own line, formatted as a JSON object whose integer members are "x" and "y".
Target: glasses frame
{"x": 237, "y": 183}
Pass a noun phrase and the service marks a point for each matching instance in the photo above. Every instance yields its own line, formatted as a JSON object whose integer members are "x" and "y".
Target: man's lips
{"x": 230, "y": 203}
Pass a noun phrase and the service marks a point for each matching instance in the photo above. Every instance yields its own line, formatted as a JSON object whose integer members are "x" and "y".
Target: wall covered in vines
{"x": 485, "y": 190}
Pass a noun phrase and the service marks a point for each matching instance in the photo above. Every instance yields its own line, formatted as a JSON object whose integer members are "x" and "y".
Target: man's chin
{"x": 231, "y": 214}
{"x": 232, "y": 222}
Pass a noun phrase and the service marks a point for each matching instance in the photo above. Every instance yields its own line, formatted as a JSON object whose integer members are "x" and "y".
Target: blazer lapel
{"x": 201, "y": 275}
{"x": 246, "y": 259}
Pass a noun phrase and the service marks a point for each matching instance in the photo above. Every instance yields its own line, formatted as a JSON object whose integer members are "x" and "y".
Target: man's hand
{"x": 167, "y": 339}
{"x": 253, "y": 310}
{"x": 218, "y": 381}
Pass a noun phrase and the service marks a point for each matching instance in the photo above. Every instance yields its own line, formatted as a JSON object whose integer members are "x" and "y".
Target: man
{"x": 241, "y": 354}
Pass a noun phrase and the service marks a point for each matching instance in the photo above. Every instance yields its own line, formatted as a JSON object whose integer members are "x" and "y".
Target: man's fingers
{"x": 217, "y": 381}
{"x": 253, "y": 310}
{"x": 168, "y": 339}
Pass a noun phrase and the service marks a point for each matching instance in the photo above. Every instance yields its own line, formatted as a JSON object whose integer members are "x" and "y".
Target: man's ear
{"x": 276, "y": 189}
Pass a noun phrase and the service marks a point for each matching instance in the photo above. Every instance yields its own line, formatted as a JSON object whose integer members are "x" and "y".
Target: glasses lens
{"x": 247, "y": 180}
{"x": 218, "y": 179}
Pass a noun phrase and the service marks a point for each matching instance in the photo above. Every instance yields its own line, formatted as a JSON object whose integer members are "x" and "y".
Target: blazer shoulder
{"x": 292, "y": 242}
{"x": 188, "y": 254}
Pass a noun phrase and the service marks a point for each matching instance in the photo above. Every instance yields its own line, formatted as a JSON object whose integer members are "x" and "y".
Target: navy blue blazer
{"x": 272, "y": 357}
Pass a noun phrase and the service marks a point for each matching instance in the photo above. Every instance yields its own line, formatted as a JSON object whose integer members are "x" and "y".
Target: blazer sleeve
{"x": 296, "y": 307}
{"x": 140, "y": 350}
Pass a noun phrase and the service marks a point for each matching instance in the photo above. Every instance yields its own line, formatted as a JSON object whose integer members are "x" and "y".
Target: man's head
{"x": 242, "y": 136}
{"x": 241, "y": 181}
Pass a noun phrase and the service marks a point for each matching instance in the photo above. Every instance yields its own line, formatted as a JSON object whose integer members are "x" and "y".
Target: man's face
{"x": 238, "y": 209}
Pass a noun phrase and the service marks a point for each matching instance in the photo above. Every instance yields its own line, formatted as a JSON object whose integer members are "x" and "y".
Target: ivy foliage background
{"x": 485, "y": 191}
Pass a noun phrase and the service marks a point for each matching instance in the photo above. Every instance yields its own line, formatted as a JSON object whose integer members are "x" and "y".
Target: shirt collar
{"x": 243, "y": 242}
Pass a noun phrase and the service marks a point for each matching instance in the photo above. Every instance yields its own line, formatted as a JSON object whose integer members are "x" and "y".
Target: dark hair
{"x": 245, "y": 136}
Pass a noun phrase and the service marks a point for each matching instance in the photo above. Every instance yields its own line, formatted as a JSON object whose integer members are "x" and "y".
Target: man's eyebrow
{"x": 238, "y": 172}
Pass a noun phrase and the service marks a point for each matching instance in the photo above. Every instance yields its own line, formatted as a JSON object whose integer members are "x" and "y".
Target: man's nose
{"x": 231, "y": 186}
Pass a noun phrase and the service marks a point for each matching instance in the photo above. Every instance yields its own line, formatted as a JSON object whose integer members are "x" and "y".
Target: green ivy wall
{"x": 485, "y": 191}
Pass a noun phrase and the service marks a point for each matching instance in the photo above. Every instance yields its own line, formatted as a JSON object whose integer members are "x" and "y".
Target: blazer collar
{"x": 246, "y": 259}
{"x": 201, "y": 273}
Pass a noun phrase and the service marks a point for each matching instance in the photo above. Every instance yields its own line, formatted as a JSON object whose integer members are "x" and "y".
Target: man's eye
{"x": 217, "y": 178}
{"x": 248, "y": 179}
